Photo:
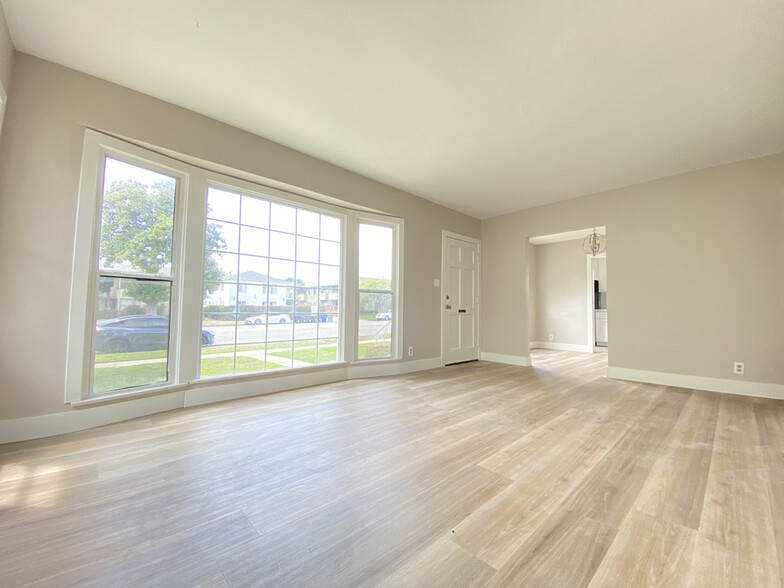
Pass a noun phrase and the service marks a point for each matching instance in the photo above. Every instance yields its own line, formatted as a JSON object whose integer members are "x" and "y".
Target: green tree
{"x": 375, "y": 284}
{"x": 212, "y": 272}
{"x": 375, "y": 301}
{"x": 137, "y": 227}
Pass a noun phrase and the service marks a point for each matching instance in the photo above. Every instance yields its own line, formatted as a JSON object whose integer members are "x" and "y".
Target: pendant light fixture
{"x": 595, "y": 243}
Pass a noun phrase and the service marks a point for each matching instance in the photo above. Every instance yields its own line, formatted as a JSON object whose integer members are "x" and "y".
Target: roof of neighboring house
{"x": 251, "y": 276}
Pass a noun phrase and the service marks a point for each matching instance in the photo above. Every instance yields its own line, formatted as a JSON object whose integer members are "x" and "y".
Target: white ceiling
{"x": 487, "y": 107}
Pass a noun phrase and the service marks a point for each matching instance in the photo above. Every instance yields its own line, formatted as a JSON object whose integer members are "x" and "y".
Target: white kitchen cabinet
{"x": 600, "y": 326}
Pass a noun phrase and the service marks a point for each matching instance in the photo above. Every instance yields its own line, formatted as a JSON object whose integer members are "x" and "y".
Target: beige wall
{"x": 560, "y": 288}
{"x": 40, "y": 157}
{"x": 696, "y": 263}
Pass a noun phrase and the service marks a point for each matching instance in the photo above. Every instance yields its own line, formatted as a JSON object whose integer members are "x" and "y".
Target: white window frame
{"x": 187, "y": 269}
{"x": 85, "y": 275}
{"x": 397, "y": 285}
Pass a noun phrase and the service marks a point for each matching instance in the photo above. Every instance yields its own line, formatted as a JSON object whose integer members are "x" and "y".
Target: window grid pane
{"x": 267, "y": 306}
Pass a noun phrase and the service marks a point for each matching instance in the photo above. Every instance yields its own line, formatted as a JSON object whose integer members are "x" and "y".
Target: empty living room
{"x": 392, "y": 293}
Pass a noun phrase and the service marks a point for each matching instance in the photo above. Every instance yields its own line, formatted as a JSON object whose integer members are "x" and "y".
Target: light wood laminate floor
{"x": 475, "y": 475}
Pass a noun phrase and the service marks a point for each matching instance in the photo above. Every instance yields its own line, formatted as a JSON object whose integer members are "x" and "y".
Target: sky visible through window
{"x": 118, "y": 171}
{"x": 375, "y": 251}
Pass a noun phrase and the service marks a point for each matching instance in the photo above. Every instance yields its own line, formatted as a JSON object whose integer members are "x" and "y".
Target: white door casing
{"x": 459, "y": 299}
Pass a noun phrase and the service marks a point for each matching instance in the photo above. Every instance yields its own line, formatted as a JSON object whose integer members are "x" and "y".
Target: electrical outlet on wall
{"x": 550, "y": 336}
{"x": 410, "y": 351}
{"x": 739, "y": 368}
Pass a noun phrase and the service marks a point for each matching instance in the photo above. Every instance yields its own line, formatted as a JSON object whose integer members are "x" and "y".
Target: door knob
{"x": 448, "y": 306}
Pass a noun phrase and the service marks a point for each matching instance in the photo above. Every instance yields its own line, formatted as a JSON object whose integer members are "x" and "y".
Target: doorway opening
{"x": 568, "y": 294}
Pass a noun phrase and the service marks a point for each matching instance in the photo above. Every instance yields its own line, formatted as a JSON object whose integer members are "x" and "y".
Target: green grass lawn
{"x": 117, "y": 378}
{"x": 255, "y": 347}
{"x": 131, "y": 356}
{"x": 223, "y": 366}
{"x": 326, "y": 354}
{"x": 161, "y": 353}
{"x": 143, "y": 374}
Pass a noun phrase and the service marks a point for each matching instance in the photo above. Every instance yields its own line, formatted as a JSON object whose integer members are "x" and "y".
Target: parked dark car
{"x": 137, "y": 332}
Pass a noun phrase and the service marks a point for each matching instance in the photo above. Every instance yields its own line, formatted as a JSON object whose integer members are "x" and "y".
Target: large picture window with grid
{"x": 272, "y": 282}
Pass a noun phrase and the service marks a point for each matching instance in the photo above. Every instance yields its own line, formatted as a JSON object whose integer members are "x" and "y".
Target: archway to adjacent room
{"x": 568, "y": 293}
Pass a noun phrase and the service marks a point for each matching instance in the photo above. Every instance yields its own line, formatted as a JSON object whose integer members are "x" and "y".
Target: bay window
{"x": 182, "y": 274}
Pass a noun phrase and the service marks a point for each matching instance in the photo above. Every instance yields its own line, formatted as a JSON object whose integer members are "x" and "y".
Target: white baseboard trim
{"x": 521, "y": 360}
{"x": 561, "y": 346}
{"x": 87, "y": 417}
{"x": 726, "y": 386}
{"x": 48, "y": 425}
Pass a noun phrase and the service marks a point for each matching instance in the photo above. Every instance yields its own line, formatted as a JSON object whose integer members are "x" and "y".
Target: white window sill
{"x": 201, "y": 383}
{"x": 267, "y": 375}
{"x": 376, "y": 361}
{"x": 127, "y": 395}
{"x": 165, "y": 389}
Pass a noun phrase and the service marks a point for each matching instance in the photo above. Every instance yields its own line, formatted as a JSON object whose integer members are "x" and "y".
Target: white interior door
{"x": 460, "y": 300}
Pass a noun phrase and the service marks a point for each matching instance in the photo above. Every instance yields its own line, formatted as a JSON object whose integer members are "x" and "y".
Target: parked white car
{"x": 263, "y": 319}
{"x": 384, "y": 316}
